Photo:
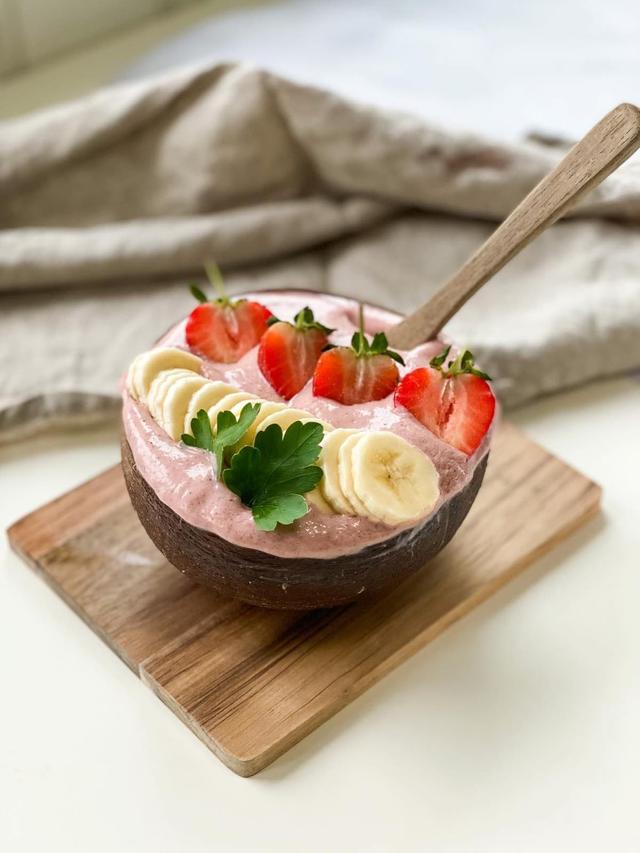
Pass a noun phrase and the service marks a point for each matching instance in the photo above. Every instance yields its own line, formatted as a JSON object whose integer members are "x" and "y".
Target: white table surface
{"x": 516, "y": 730}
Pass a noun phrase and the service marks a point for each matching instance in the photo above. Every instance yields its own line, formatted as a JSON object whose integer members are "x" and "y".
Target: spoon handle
{"x": 599, "y": 153}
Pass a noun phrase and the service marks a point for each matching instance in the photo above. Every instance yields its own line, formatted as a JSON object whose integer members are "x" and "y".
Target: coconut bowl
{"x": 299, "y": 583}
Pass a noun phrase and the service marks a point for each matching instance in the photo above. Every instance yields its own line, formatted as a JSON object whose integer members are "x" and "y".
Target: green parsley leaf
{"x": 202, "y": 433}
{"x": 282, "y": 510}
{"x": 229, "y": 431}
{"x": 272, "y": 476}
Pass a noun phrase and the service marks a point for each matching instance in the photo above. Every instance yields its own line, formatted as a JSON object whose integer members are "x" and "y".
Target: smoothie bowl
{"x": 277, "y": 451}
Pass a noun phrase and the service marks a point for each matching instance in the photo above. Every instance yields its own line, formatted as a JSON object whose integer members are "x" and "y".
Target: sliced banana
{"x": 284, "y": 418}
{"x": 267, "y": 408}
{"x": 227, "y": 403}
{"x": 205, "y": 398}
{"x": 146, "y": 366}
{"x": 176, "y": 402}
{"x": 237, "y": 409}
{"x": 314, "y": 497}
{"x": 345, "y": 473}
{"x": 160, "y": 388}
{"x": 393, "y": 480}
{"x": 327, "y": 427}
{"x": 329, "y": 462}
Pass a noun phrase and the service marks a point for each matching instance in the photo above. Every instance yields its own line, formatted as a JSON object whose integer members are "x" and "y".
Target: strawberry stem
{"x": 378, "y": 345}
{"x": 215, "y": 278}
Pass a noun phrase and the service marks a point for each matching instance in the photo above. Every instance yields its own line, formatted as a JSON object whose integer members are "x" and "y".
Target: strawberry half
{"x": 289, "y": 351}
{"x": 455, "y": 402}
{"x": 360, "y": 373}
{"x": 224, "y": 329}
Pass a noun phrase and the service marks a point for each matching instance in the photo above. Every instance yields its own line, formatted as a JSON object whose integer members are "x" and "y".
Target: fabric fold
{"x": 108, "y": 204}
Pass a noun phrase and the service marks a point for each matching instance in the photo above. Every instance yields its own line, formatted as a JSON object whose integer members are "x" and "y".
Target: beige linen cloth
{"x": 110, "y": 204}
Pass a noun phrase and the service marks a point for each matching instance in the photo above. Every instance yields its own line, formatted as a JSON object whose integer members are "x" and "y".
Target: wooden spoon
{"x": 599, "y": 153}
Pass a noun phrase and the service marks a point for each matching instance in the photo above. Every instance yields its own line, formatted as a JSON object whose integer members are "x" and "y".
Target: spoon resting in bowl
{"x": 605, "y": 147}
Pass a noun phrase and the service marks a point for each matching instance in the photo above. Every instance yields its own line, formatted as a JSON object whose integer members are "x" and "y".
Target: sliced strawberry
{"x": 456, "y": 403}
{"x": 421, "y": 393}
{"x": 224, "y": 329}
{"x": 343, "y": 376}
{"x": 289, "y": 351}
{"x": 360, "y": 373}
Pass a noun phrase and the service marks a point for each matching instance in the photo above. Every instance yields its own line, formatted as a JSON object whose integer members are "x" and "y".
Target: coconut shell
{"x": 293, "y": 583}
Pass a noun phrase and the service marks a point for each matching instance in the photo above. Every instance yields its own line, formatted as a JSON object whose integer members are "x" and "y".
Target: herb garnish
{"x": 271, "y": 476}
{"x": 229, "y": 431}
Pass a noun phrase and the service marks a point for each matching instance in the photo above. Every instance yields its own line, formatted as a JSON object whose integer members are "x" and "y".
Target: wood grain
{"x": 600, "y": 152}
{"x": 252, "y": 682}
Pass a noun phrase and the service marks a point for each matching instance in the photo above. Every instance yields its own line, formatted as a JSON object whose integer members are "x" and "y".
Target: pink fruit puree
{"x": 182, "y": 477}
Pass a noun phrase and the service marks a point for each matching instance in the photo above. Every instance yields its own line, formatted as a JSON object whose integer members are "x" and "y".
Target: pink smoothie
{"x": 182, "y": 477}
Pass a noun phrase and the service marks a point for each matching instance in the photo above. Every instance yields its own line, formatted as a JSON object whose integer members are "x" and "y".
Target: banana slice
{"x": 227, "y": 403}
{"x": 314, "y": 497}
{"x": 160, "y": 388}
{"x": 393, "y": 480}
{"x": 237, "y": 409}
{"x": 267, "y": 409}
{"x": 146, "y": 366}
{"x": 205, "y": 398}
{"x": 176, "y": 402}
{"x": 284, "y": 418}
{"x": 329, "y": 462}
{"x": 345, "y": 473}
{"x": 327, "y": 427}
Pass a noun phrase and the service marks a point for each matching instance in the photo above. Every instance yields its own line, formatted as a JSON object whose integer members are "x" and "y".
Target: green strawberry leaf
{"x": 438, "y": 360}
{"x": 197, "y": 293}
{"x": 464, "y": 363}
{"x": 304, "y": 320}
{"x": 378, "y": 346}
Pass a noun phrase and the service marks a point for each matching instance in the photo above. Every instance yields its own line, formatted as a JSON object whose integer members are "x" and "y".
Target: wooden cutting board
{"x": 249, "y": 682}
